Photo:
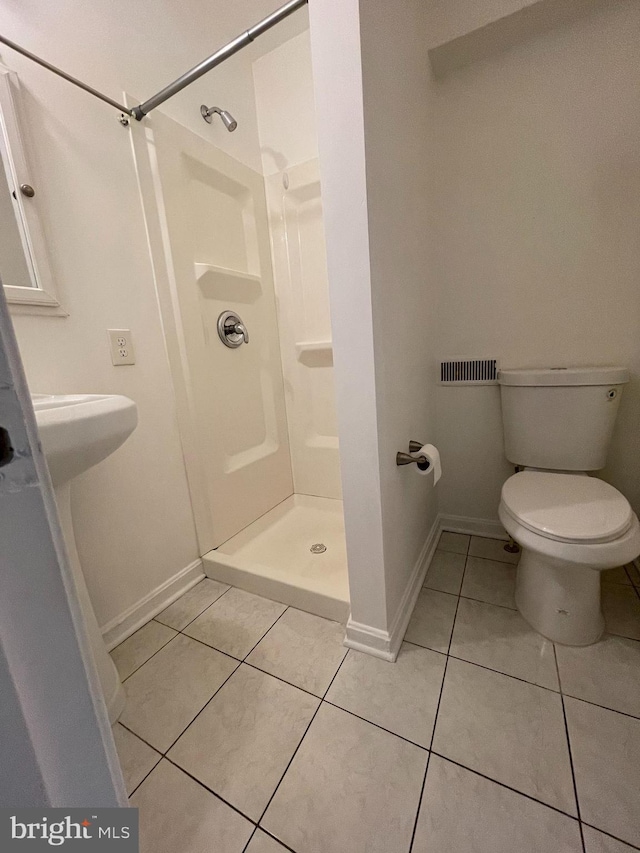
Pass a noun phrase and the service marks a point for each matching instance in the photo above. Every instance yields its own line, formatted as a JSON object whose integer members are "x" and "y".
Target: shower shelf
{"x": 203, "y": 269}
{"x": 315, "y": 353}
{"x": 313, "y": 346}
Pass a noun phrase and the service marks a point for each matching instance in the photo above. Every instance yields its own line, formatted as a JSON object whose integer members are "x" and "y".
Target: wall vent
{"x": 470, "y": 372}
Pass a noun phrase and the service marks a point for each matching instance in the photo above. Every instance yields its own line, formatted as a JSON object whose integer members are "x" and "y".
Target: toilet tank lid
{"x": 564, "y": 376}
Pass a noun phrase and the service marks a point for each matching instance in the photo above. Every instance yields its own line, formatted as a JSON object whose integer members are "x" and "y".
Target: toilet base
{"x": 559, "y": 600}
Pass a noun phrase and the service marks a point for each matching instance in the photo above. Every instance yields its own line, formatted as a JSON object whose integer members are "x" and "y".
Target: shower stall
{"x": 241, "y": 277}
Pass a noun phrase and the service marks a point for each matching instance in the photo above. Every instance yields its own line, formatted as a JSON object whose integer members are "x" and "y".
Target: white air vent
{"x": 470, "y": 372}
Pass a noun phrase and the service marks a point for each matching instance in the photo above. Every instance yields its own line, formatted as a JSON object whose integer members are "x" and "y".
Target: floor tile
{"x": 432, "y": 620}
{"x": 192, "y": 603}
{"x": 621, "y": 608}
{"x": 606, "y": 673}
{"x": 370, "y": 687}
{"x": 303, "y": 649}
{"x": 506, "y": 729}
{"x": 236, "y": 622}
{"x": 445, "y": 572}
{"x": 263, "y": 843}
{"x": 139, "y": 647}
{"x": 501, "y": 639}
{"x": 165, "y": 694}
{"x": 618, "y": 575}
{"x": 490, "y": 581}
{"x": 351, "y": 786}
{"x": 462, "y": 811}
{"x": 598, "y": 842}
{"x": 491, "y": 549}
{"x": 458, "y": 543}
{"x": 240, "y": 745}
{"x": 177, "y": 814}
{"x": 605, "y": 747}
{"x": 136, "y": 758}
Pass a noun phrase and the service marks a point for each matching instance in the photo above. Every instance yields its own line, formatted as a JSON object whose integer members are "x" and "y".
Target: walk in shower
{"x": 239, "y": 256}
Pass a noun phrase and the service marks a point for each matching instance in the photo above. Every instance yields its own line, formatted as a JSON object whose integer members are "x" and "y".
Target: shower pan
{"x": 252, "y": 374}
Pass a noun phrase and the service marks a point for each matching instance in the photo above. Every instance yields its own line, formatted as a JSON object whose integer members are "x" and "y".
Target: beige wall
{"x": 133, "y": 517}
{"x": 534, "y": 185}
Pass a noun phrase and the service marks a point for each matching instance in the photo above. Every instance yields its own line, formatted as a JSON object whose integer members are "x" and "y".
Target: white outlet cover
{"x": 121, "y": 345}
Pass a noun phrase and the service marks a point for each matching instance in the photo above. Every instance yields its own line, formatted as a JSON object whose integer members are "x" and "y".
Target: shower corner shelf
{"x": 225, "y": 272}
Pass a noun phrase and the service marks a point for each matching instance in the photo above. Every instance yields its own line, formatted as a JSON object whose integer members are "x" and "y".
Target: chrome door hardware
{"x": 232, "y": 330}
{"x": 406, "y": 459}
{"x": 28, "y": 190}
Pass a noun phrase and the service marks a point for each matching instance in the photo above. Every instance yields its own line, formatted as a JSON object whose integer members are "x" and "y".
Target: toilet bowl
{"x": 570, "y": 528}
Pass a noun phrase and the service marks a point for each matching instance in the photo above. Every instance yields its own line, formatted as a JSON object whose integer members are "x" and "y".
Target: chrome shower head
{"x": 229, "y": 122}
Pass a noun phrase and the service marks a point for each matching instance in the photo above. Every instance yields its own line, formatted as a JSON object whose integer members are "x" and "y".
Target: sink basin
{"x": 77, "y": 431}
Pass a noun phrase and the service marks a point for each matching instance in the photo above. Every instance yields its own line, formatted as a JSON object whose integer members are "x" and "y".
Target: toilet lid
{"x": 567, "y": 507}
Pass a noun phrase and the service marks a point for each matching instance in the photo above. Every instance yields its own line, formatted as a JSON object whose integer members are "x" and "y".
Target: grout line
{"x": 246, "y": 846}
{"x": 492, "y": 603}
{"x": 210, "y": 790}
{"x": 503, "y": 785}
{"x": 283, "y": 680}
{"x": 295, "y": 752}
{"x": 131, "y": 731}
{"x": 198, "y": 615}
{"x": 163, "y": 646}
{"x": 145, "y": 777}
{"x": 212, "y": 648}
{"x": 435, "y": 719}
{"x": 275, "y": 838}
{"x": 566, "y": 731}
{"x": 506, "y": 674}
{"x": 286, "y": 607}
{"x": 202, "y": 709}
{"x": 615, "y": 837}
{"x": 377, "y": 725}
{"x": 286, "y": 770}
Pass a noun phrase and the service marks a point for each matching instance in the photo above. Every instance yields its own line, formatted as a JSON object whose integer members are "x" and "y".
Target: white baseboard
{"x": 118, "y": 629}
{"x": 475, "y": 526}
{"x": 386, "y": 644}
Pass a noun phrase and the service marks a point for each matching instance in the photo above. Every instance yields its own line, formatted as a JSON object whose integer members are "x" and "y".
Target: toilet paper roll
{"x": 433, "y": 455}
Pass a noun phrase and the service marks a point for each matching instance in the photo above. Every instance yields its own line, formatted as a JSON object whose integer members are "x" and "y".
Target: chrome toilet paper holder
{"x": 405, "y": 459}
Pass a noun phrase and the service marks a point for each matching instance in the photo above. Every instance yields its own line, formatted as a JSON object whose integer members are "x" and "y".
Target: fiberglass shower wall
{"x": 288, "y": 140}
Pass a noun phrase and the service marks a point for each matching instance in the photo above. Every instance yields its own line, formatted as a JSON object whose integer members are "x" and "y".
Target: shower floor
{"x": 272, "y": 557}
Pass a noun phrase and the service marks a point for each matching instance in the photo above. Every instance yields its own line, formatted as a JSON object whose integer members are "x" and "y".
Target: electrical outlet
{"x": 121, "y": 344}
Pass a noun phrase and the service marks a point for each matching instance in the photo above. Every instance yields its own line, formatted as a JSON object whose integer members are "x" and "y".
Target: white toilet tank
{"x": 560, "y": 418}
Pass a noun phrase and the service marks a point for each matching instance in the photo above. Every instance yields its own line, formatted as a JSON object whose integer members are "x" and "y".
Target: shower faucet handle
{"x": 231, "y": 330}
{"x": 240, "y": 329}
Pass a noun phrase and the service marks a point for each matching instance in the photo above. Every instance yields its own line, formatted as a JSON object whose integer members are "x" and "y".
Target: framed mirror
{"x": 25, "y": 270}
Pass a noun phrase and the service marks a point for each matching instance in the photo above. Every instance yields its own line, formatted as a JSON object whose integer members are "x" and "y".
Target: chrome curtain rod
{"x": 172, "y": 89}
{"x": 64, "y": 75}
{"x": 219, "y": 56}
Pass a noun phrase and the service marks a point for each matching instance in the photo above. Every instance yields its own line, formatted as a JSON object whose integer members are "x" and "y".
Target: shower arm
{"x": 172, "y": 89}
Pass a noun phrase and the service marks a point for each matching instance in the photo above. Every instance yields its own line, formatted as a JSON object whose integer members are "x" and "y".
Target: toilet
{"x": 558, "y": 424}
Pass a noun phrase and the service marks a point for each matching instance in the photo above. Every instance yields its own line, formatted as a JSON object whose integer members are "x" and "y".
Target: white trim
{"x": 118, "y": 629}
{"x": 386, "y": 644}
{"x": 488, "y": 527}
{"x": 41, "y": 298}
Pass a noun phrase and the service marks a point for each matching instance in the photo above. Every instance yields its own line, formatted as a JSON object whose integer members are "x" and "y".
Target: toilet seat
{"x": 567, "y": 508}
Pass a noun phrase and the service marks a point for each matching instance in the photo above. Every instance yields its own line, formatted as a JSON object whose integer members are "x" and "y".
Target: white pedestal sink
{"x": 78, "y": 431}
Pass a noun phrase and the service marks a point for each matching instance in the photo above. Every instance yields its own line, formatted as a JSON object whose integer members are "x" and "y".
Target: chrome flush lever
{"x": 231, "y": 330}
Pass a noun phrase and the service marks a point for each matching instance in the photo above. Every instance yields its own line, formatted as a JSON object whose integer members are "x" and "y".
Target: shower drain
{"x": 318, "y": 548}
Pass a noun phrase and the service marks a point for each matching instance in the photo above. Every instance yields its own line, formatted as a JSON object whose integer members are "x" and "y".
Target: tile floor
{"x": 249, "y": 728}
